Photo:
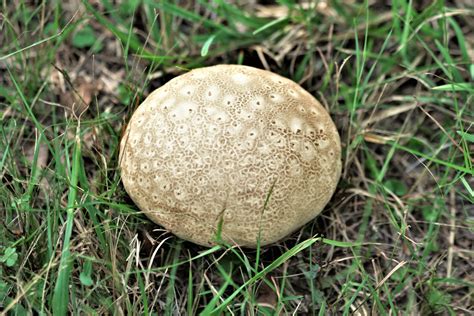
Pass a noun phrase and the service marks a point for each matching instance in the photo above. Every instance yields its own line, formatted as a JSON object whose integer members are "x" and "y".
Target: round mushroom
{"x": 233, "y": 149}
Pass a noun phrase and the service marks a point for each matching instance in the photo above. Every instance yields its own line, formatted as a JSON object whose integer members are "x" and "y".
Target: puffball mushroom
{"x": 230, "y": 147}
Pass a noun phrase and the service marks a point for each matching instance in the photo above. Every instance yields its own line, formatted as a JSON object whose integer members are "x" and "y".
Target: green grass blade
{"x": 456, "y": 87}
{"x": 276, "y": 263}
{"x": 270, "y": 24}
{"x": 448, "y": 164}
{"x": 61, "y": 289}
{"x": 207, "y": 44}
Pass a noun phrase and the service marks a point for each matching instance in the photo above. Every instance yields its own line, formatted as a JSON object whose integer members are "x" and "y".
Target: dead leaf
{"x": 43, "y": 154}
{"x": 77, "y": 98}
{"x": 266, "y": 297}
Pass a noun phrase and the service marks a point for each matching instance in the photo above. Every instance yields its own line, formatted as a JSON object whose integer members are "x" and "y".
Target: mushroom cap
{"x": 234, "y": 147}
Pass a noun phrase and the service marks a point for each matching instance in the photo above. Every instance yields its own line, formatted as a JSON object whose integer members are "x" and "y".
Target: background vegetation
{"x": 396, "y": 76}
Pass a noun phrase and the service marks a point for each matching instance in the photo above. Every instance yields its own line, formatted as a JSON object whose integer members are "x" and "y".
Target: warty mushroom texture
{"x": 210, "y": 145}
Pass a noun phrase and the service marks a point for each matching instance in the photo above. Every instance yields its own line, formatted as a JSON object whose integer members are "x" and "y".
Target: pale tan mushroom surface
{"x": 214, "y": 144}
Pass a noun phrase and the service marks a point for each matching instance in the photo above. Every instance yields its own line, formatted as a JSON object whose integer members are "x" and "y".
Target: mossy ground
{"x": 396, "y": 76}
